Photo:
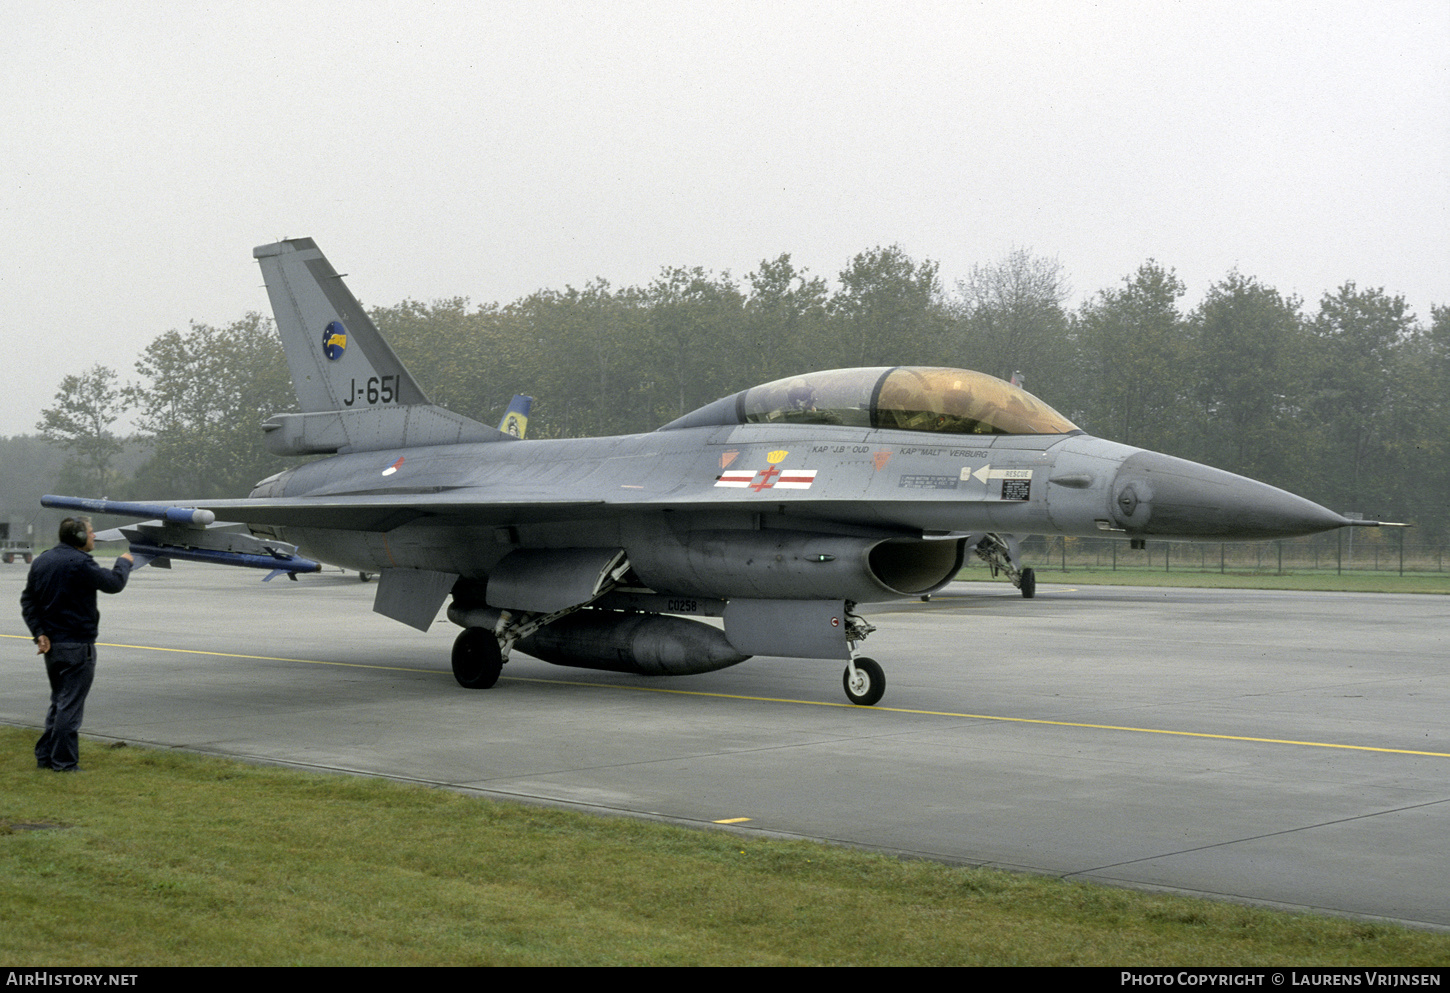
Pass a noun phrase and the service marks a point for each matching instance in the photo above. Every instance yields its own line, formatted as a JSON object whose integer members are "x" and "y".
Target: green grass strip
{"x": 162, "y": 858}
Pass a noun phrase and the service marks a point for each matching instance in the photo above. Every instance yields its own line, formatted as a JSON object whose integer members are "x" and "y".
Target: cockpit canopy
{"x": 898, "y": 398}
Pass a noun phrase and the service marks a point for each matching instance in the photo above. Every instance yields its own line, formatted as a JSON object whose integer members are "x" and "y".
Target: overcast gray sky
{"x": 489, "y": 149}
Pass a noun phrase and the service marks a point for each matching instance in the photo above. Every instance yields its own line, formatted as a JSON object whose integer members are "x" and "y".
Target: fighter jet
{"x": 776, "y": 511}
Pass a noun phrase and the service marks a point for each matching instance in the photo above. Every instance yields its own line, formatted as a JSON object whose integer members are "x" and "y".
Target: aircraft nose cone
{"x": 1157, "y": 494}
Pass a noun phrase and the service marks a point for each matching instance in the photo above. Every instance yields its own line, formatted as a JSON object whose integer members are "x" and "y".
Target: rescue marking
{"x": 987, "y": 472}
{"x": 1016, "y": 489}
{"x": 919, "y": 481}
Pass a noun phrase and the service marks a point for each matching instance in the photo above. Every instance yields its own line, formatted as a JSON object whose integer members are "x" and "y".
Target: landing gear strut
{"x": 489, "y": 633}
{"x": 1002, "y": 555}
{"x": 863, "y": 679}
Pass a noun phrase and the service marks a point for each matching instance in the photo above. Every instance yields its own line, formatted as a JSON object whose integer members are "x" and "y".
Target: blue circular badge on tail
{"x": 334, "y": 340}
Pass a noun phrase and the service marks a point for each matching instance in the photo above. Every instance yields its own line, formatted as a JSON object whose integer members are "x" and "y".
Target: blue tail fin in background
{"x": 516, "y": 419}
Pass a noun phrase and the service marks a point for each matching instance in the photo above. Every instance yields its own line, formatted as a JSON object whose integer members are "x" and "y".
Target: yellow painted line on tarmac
{"x": 255, "y": 658}
{"x": 732, "y": 820}
{"x": 988, "y": 717}
{"x": 1182, "y": 734}
{"x": 808, "y": 703}
{"x": 269, "y": 658}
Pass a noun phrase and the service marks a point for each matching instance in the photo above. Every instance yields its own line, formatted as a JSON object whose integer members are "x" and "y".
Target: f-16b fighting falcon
{"x": 777, "y": 510}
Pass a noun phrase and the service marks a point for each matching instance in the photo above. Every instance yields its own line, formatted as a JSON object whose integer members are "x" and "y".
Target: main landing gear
{"x": 477, "y": 659}
{"x": 489, "y": 634}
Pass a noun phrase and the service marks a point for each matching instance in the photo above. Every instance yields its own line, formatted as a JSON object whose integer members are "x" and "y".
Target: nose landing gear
{"x": 864, "y": 680}
{"x": 1001, "y": 554}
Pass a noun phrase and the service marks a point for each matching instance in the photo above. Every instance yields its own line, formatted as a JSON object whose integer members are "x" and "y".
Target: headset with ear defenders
{"x": 73, "y": 531}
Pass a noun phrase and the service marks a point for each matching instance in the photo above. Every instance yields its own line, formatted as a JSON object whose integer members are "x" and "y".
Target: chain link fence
{"x": 1349, "y": 550}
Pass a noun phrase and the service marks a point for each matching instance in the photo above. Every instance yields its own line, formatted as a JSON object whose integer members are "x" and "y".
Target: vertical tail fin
{"x": 338, "y": 359}
{"x": 354, "y": 392}
{"x": 516, "y": 419}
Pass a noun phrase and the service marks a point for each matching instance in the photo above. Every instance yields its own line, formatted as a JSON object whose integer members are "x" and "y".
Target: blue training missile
{"x": 274, "y": 561}
{"x": 189, "y": 534}
{"x": 121, "y": 508}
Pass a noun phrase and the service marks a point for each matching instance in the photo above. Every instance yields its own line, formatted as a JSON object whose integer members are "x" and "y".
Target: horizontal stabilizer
{"x": 372, "y": 429}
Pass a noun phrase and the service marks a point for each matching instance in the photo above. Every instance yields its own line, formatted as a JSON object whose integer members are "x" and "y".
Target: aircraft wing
{"x": 353, "y": 512}
{"x": 383, "y": 512}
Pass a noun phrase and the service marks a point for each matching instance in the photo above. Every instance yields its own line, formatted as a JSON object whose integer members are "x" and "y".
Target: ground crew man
{"x": 59, "y": 604}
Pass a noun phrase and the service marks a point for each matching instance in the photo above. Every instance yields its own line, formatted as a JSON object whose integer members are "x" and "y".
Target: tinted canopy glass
{"x": 902, "y": 398}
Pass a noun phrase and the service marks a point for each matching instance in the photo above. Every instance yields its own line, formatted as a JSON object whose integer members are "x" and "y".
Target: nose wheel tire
{"x": 1029, "y": 584}
{"x": 869, "y": 684}
{"x": 477, "y": 660}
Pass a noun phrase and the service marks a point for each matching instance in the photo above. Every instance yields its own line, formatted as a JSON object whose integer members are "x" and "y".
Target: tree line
{"x": 1346, "y": 401}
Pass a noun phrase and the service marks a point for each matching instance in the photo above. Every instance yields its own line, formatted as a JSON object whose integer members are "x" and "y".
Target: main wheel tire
{"x": 1029, "y": 584}
{"x": 477, "y": 660}
{"x": 869, "y": 684}
{"x": 9, "y": 558}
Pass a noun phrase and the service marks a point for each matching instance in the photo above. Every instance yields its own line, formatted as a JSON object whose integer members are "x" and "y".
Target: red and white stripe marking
{"x": 767, "y": 479}
{"x": 795, "y": 479}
